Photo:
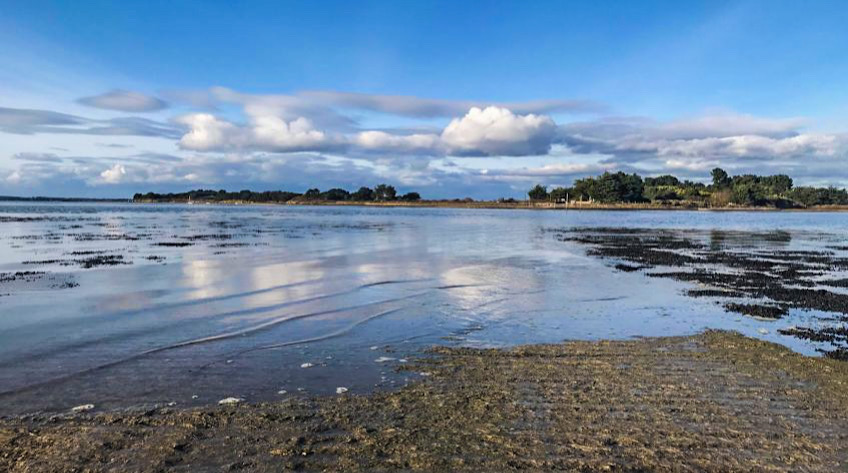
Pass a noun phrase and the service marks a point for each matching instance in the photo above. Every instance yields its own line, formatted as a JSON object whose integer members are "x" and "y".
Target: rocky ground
{"x": 712, "y": 402}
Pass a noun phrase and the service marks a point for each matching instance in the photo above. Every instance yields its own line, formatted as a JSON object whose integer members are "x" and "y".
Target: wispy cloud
{"x": 30, "y": 121}
{"x": 124, "y": 101}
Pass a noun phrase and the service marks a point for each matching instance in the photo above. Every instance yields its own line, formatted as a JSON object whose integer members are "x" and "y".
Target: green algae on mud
{"x": 717, "y": 401}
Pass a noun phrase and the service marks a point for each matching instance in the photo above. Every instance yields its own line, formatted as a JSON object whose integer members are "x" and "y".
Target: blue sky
{"x": 453, "y": 99}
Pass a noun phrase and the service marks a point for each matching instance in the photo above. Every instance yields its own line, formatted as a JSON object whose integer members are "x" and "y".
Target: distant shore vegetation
{"x": 745, "y": 190}
{"x": 380, "y": 193}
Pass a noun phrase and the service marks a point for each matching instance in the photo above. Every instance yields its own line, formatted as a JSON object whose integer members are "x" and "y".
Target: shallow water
{"x": 143, "y": 305}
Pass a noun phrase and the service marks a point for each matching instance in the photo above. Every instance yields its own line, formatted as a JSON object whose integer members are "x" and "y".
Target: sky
{"x": 450, "y": 99}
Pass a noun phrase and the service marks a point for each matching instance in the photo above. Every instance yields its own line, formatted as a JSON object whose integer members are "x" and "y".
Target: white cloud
{"x": 275, "y": 134}
{"x": 113, "y": 175}
{"x": 729, "y": 124}
{"x": 750, "y": 146}
{"x": 207, "y": 133}
{"x": 496, "y": 131}
{"x": 380, "y": 140}
{"x": 690, "y": 165}
{"x": 264, "y": 133}
{"x": 124, "y": 101}
{"x": 558, "y": 171}
{"x": 14, "y": 177}
{"x": 491, "y": 131}
{"x": 721, "y": 137}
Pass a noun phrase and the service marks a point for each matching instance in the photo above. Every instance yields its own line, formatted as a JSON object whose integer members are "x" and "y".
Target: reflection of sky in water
{"x": 282, "y": 286}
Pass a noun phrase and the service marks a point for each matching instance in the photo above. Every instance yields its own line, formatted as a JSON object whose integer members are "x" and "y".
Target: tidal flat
{"x": 153, "y": 337}
{"x": 711, "y": 402}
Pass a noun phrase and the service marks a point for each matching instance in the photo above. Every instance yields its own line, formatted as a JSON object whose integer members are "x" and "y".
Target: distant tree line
{"x": 747, "y": 189}
{"x": 381, "y": 193}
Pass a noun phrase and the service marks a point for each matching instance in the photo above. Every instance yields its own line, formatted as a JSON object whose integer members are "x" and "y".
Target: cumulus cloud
{"x": 124, "y": 101}
{"x": 492, "y": 131}
{"x": 113, "y": 175}
{"x": 268, "y": 133}
{"x": 495, "y": 131}
{"x": 276, "y": 134}
{"x": 206, "y": 132}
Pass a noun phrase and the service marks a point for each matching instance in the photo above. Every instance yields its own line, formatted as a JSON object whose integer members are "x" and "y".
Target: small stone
{"x": 341, "y": 390}
{"x": 230, "y": 401}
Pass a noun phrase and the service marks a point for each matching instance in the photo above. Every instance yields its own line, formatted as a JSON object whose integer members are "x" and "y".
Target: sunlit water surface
{"x": 251, "y": 301}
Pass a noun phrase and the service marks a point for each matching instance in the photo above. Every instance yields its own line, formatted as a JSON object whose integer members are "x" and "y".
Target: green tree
{"x": 720, "y": 178}
{"x": 385, "y": 192}
{"x": 560, "y": 194}
{"x": 411, "y": 197}
{"x": 335, "y": 194}
{"x": 538, "y": 193}
{"x": 364, "y": 194}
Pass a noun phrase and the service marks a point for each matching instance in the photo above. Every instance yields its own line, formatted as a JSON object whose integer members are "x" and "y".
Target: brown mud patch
{"x": 712, "y": 402}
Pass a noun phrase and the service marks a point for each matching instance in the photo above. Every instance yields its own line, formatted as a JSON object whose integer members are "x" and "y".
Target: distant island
{"x": 747, "y": 190}
{"x": 14, "y": 198}
{"x": 380, "y": 193}
{"x": 607, "y": 191}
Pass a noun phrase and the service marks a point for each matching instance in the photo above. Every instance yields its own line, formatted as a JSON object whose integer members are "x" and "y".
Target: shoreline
{"x": 712, "y": 401}
{"x": 522, "y": 205}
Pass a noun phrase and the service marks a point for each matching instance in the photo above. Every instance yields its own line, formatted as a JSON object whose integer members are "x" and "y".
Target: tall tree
{"x": 385, "y": 192}
{"x": 720, "y": 178}
{"x": 538, "y": 193}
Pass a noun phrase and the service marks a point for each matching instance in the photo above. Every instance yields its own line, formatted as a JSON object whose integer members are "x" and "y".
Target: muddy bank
{"x": 761, "y": 269}
{"x": 716, "y": 401}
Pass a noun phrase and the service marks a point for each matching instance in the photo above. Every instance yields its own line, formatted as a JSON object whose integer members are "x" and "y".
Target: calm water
{"x": 208, "y": 302}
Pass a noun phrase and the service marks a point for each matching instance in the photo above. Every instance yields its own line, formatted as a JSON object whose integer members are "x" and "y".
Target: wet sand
{"x": 717, "y": 401}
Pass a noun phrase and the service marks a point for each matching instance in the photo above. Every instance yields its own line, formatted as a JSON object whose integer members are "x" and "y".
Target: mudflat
{"x": 717, "y": 401}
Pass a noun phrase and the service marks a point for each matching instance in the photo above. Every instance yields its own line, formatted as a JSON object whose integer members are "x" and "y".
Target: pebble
{"x": 83, "y": 408}
{"x": 230, "y": 400}
{"x": 341, "y": 390}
